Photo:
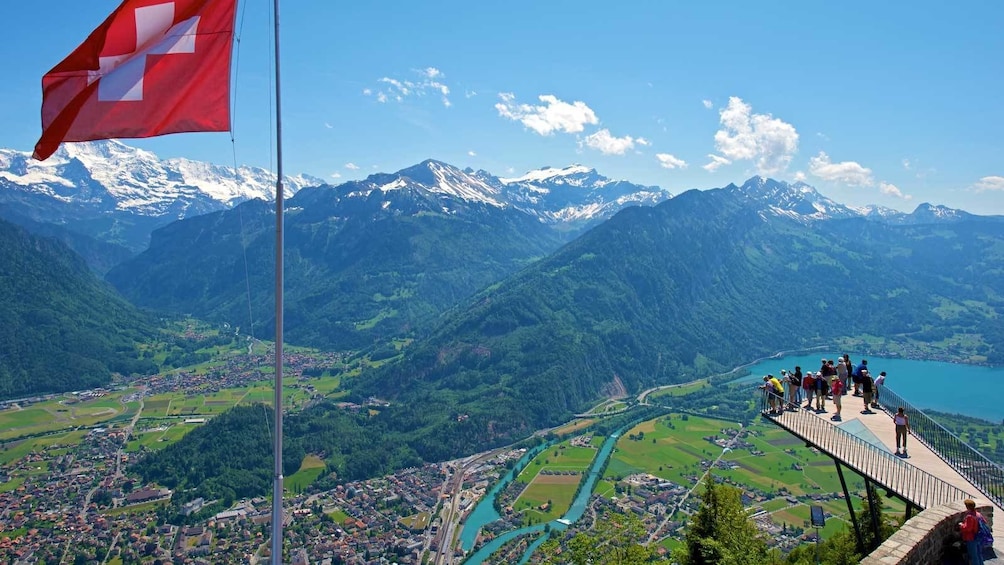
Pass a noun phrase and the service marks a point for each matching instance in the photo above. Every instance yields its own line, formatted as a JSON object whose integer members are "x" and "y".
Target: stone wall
{"x": 923, "y": 539}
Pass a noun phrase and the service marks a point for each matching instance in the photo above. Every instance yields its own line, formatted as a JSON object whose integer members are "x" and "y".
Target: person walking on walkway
{"x": 969, "y": 527}
{"x": 902, "y": 429}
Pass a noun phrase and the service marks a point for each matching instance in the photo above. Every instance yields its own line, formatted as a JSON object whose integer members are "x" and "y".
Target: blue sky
{"x": 891, "y": 103}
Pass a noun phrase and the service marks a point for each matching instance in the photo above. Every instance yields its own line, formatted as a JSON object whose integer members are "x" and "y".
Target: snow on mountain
{"x": 876, "y": 212}
{"x": 114, "y": 176}
{"x": 552, "y": 174}
{"x": 576, "y": 194}
{"x": 799, "y": 201}
{"x": 928, "y": 214}
{"x": 430, "y": 178}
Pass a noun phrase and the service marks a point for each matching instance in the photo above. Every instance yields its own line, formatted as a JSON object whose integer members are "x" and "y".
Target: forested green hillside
{"x": 60, "y": 327}
{"x": 694, "y": 286}
{"x": 352, "y": 277}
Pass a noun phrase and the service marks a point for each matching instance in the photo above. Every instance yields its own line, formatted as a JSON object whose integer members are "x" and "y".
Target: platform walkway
{"x": 866, "y": 443}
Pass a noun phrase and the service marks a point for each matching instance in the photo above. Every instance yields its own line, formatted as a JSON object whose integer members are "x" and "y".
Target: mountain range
{"x": 111, "y": 192}
{"x": 528, "y": 298}
{"x": 693, "y": 286}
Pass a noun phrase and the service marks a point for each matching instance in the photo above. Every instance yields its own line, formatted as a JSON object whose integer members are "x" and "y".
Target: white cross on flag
{"x": 153, "y": 67}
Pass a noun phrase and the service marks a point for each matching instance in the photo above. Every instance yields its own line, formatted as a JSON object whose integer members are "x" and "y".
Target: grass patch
{"x": 12, "y": 484}
{"x": 141, "y": 508}
{"x": 418, "y": 522}
{"x": 311, "y": 467}
{"x": 339, "y": 516}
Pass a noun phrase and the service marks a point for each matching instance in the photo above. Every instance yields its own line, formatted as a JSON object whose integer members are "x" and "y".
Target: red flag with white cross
{"x": 153, "y": 67}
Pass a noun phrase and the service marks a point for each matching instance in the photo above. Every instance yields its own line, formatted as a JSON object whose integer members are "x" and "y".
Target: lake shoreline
{"x": 927, "y": 384}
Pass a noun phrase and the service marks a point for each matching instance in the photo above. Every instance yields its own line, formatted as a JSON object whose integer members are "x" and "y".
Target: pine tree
{"x": 721, "y": 533}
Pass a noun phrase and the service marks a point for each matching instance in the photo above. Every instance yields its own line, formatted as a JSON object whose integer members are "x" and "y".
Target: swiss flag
{"x": 153, "y": 67}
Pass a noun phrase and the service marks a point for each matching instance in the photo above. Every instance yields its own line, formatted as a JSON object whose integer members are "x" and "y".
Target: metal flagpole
{"x": 277, "y": 514}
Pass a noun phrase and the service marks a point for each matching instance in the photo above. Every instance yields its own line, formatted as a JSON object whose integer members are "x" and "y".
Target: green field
{"x": 671, "y": 448}
{"x": 59, "y": 414}
{"x": 311, "y": 467}
{"x": 141, "y": 508}
{"x": 773, "y": 463}
{"x": 418, "y": 522}
{"x": 14, "y": 451}
{"x": 680, "y": 390}
{"x": 549, "y": 495}
{"x": 160, "y": 437}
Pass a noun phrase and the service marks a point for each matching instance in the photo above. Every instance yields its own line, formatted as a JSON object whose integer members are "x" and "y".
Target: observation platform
{"x": 940, "y": 469}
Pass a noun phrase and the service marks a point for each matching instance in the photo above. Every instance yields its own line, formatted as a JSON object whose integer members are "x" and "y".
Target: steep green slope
{"x": 60, "y": 327}
{"x": 352, "y": 276}
{"x": 696, "y": 285}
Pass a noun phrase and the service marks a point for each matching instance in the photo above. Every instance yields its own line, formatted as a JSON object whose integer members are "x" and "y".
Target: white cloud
{"x": 708, "y": 104}
{"x": 472, "y": 154}
{"x": 329, "y": 126}
{"x": 890, "y": 189}
{"x": 989, "y": 183}
{"x": 399, "y": 89}
{"x": 717, "y": 161}
{"x": 642, "y": 141}
{"x": 336, "y": 175}
{"x": 670, "y": 162}
{"x": 554, "y": 115}
{"x": 847, "y": 172}
{"x": 771, "y": 142}
{"x": 906, "y": 164}
{"x": 470, "y": 93}
{"x": 800, "y": 176}
{"x": 352, "y": 166}
{"x": 607, "y": 144}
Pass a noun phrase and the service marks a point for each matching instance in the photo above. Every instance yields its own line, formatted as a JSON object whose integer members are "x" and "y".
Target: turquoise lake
{"x": 947, "y": 387}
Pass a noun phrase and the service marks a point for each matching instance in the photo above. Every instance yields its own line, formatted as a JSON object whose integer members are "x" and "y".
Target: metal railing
{"x": 879, "y": 465}
{"x": 984, "y": 474}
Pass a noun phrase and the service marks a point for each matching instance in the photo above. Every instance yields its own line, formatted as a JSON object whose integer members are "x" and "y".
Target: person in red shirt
{"x": 809, "y": 386}
{"x": 837, "y": 388}
{"x": 968, "y": 527}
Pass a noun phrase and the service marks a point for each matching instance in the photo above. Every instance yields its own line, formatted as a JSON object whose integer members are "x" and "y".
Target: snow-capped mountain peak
{"x": 121, "y": 177}
{"x": 436, "y": 178}
{"x": 799, "y": 201}
{"x": 551, "y": 173}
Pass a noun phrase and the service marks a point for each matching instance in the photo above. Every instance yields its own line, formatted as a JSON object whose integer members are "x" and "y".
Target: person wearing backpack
{"x": 974, "y": 530}
{"x": 794, "y": 383}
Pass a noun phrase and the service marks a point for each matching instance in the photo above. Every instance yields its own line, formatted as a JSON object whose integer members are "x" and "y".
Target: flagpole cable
{"x": 240, "y": 211}
{"x": 233, "y": 150}
{"x": 277, "y": 515}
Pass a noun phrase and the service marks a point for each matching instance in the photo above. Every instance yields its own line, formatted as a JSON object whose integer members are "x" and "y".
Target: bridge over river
{"x": 941, "y": 469}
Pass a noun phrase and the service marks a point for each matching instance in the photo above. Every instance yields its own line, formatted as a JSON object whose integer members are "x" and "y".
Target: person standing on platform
{"x": 809, "y": 386}
{"x": 867, "y": 389}
{"x": 842, "y": 372}
{"x": 902, "y": 422}
{"x": 798, "y": 386}
{"x": 969, "y": 527}
{"x": 879, "y": 383}
{"x": 837, "y": 388}
{"x": 792, "y": 384}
